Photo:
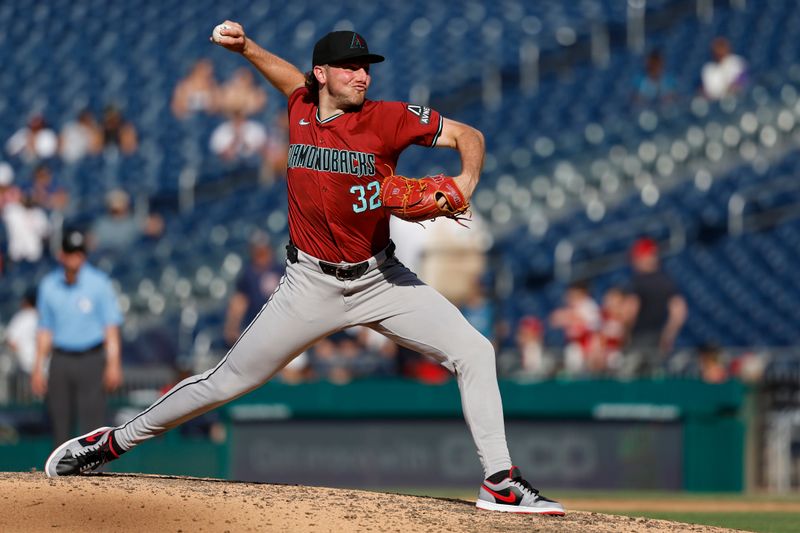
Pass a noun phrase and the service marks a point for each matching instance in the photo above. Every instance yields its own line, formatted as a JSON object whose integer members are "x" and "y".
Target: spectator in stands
{"x": 79, "y": 321}
{"x": 255, "y": 284}
{"x": 46, "y": 193}
{"x": 27, "y": 228}
{"x": 119, "y": 229}
{"x": 333, "y": 358}
{"x": 726, "y": 74}
{"x": 9, "y": 193}
{"x": 276, "y": 151}
{"x": 479, "y": 311}
{"x": 80, "y": 138}
{"x": 297, "y": 371}
{"x": 351, "y": 354}
{"x": 529, "y": 340}
{"x": 240, "y": 94}
{"x": 580, "y": 320}
{"x": 21, "y": 333}
{"x": 34, "y": 142}
{"x": 380, "y": 352}
{"x": 239, "y": 140}
{"x": 655, "y": 309}
{"x": 119, "y": 134}
{"x": 614, "y": 329}
{"x": 712, "y": 368}
{"x": 454, "y": 257}
{"x": 749, "y": 367}
{"x": 411, "y": 241}
{"x": 654, "y": 86}
{"x": 197, "y": 93}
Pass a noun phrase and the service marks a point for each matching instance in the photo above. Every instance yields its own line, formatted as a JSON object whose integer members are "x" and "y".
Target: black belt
{"x": 343, "y": 273}
{"x": 75, "y": 353}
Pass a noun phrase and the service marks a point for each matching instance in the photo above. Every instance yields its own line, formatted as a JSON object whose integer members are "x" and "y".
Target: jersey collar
{"x": 329, "y": 119}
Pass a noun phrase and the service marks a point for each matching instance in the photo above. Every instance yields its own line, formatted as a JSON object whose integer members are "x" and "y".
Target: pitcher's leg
{"x": 284, "y": 328}
{"x": 427, "y": 322}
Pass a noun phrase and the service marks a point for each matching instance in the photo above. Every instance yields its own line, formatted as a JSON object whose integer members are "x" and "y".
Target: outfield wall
{"x": 670, "y": 434}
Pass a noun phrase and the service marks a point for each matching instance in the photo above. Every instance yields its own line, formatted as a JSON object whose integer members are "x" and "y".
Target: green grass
{"x": 769, "y": 522}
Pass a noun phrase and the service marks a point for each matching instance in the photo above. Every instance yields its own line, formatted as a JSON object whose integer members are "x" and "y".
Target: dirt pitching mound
{"x": 116, "y": 502}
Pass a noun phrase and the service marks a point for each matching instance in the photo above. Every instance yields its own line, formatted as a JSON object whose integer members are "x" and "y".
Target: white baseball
{"x": 216, "y": 35}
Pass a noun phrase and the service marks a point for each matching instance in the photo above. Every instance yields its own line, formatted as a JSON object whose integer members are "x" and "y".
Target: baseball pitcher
{"x": 341, "y": 270}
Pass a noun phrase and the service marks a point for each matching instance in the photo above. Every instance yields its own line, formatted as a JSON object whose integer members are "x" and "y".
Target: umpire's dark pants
{"x": 75, "y": 392}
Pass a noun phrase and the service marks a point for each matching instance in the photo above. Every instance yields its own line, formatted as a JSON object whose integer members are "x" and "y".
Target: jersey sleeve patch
{"x": 422, "y": 112}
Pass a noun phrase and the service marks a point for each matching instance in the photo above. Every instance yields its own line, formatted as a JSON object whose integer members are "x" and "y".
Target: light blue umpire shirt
{"x": 77, "y": 315}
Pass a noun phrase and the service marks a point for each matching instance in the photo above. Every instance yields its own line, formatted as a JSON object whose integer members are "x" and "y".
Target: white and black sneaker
{"x": 506, "y": 491}
{"x": 83, "y": 454}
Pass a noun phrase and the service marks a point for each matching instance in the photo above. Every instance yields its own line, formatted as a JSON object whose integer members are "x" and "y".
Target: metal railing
{"x": 566, "y": 269}
{"x": 739, "y": 222}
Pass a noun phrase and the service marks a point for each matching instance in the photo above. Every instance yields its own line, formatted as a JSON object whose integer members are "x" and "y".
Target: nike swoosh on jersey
{"x": 304, "y": 122}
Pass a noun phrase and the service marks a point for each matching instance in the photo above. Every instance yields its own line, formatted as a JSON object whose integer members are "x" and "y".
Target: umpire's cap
{"x": 73, "y": 241}
{"x": 342, "y": 46}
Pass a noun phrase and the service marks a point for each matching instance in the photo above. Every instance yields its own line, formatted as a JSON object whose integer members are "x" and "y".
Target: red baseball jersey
{"x": 335, "y": 170}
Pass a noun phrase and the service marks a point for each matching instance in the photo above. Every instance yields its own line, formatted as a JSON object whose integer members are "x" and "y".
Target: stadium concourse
{"x": 577, "y": 168}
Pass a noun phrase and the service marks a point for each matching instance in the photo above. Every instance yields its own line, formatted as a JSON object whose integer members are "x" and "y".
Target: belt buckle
{"x": 345, "y": 274}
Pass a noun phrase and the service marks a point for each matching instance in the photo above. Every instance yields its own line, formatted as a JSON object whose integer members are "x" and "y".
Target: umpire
{"x": 79, "y": 320}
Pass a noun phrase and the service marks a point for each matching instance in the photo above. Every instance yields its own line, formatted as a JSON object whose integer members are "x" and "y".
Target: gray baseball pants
{"x": 309, "y": 305}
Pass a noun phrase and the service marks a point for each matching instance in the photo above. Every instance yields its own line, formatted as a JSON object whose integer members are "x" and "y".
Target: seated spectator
{"x": 239, "y": 140}
{"x": 27, "y": 228}
{"x": 9, "y": 193}
{"x": 380, "y": 352}
{"x": 45, "y": 192}
{"x": 529, "y": 340}
{"x": 80, "y": 138}
{"x": 580, "y": 320}
{"x": 333, "y": 358}
{"x": 21, "y": 332}
{"x": 454, "y": 257}
{"x": 118, "y": 229}
{"x": 343, "y": 357}
{"x": 297, "y": 371}
{"x": 276, "y": 152}
{"x": 749, "y": 367}
{"x": 614, "y": 329}
{"x": 197, "y": 93}
{"x": 240, "y": 94}
{"x": 119, "y": 135}
{"x": 654, "y": 86}
{"x": 255, "y": 284}
{"x": 479, "y": 311}
{"x": 712, "y": 368}
{"x": 34, "y": 142}
{"x": 726, "y": 74}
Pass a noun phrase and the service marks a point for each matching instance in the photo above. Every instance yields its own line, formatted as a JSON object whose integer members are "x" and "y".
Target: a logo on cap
{"x": 357, "y": 42}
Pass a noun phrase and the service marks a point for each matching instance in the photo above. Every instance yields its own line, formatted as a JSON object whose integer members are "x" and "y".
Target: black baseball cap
{"x": 73, "y": 241}
{"x": 341, "y": 46}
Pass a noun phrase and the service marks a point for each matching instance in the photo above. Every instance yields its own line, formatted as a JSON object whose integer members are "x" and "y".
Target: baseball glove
{"x": 417, "y": 200}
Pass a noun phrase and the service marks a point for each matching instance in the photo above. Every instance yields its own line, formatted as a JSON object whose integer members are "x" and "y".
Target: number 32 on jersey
{"x": 367, "y": 198}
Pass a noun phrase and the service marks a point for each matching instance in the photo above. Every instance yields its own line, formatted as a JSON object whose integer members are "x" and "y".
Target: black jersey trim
{"x": 438, "y": 131}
